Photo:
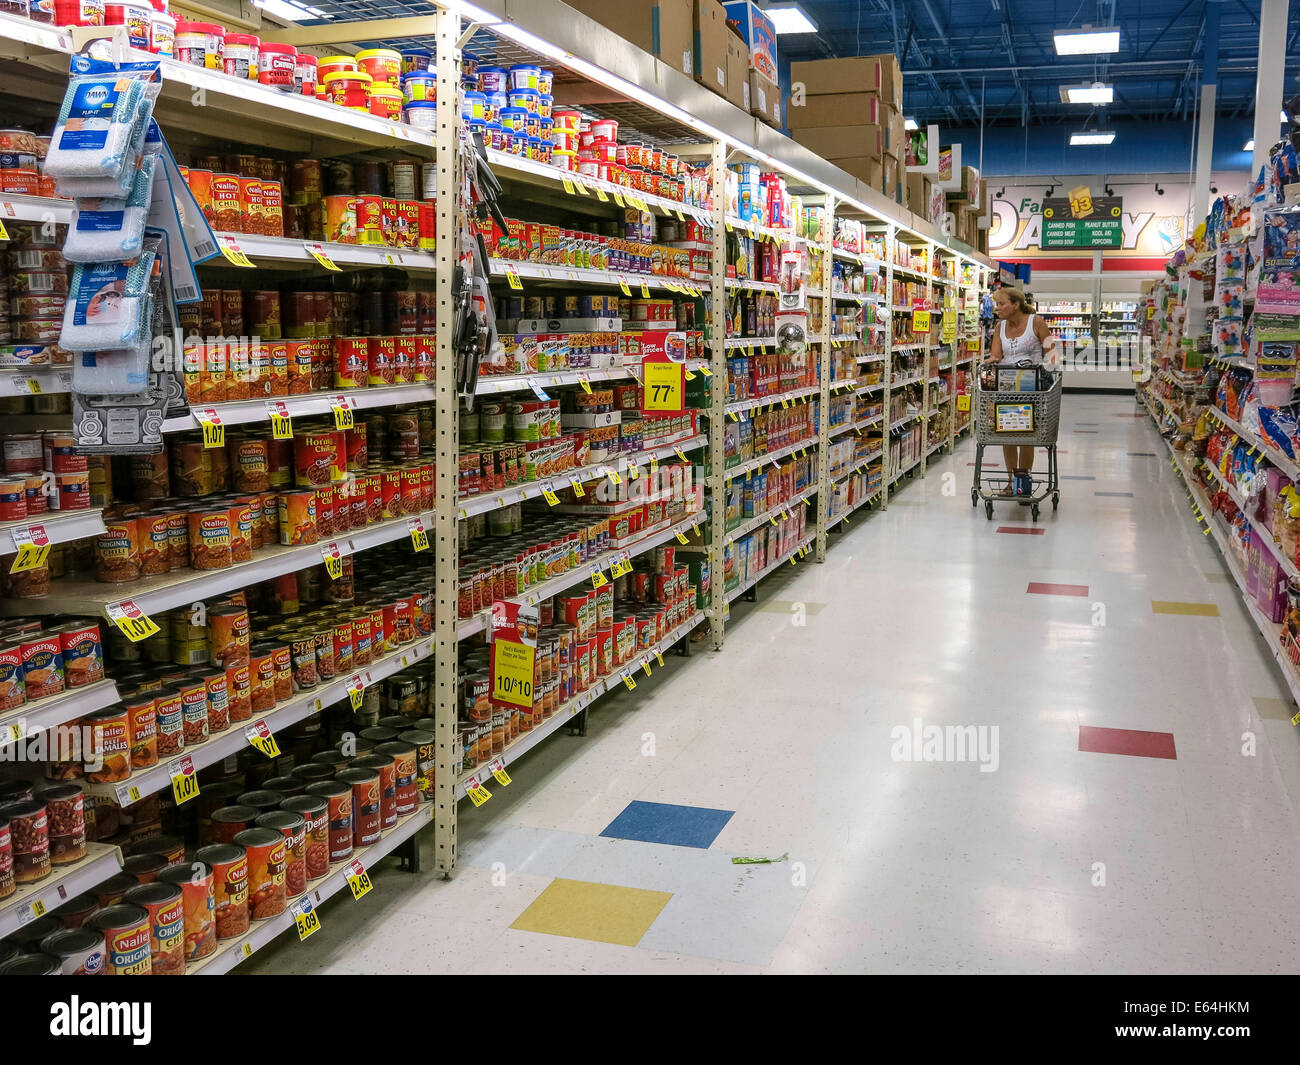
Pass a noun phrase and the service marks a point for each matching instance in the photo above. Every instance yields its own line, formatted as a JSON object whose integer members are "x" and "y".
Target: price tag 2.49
{"x": 358, "y": 879}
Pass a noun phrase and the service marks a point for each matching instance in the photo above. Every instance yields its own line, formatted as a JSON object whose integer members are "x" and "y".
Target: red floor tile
{"x": 1021, "y": 531}
{"x": 1126, "y": 741}
{"x": 1035, "y": 588}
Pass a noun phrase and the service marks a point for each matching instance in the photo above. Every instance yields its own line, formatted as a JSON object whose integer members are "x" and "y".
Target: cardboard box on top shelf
{"x": 878, "y": 74}
{"x": 737, "y": 72}
{"x": 889, "y": 167}
{"x": 842, "y": 142}
{"x": 710, "y": 36}
{"x": 838, "y": 109}
{"x": 866, "y": 168}
{"x": 895, "y": 133}
{"x": 763, "y": 98}
{"x": 664, "y": 28}
{"x": 756, "y": 29}
{"x": 918, "y": 193}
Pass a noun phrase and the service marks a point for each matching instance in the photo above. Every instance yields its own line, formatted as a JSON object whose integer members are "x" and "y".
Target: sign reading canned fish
{"x": 281, "y": 422}
{"x": 259, "y": 735}
{"x": 514, "y": 652}
{"x": 358, "y": 879}
{"x": 419, "y": 537}
{"x": 305, "y": 918}
{"x": 185, "y": 784}
{"x": 498, "y": 767}
{"x": 214, "y": 433}
{"x": 33, "y": 548}
{"x": 133, "y": 622}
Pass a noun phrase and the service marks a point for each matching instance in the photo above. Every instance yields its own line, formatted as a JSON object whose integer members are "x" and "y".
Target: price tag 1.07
{"x": 259, "y": 735}
{"x": 185, "y": 785}
{"x": 133, "y": 622}
{"x": 214, "y": 433}
{"x": 281, "y": 422}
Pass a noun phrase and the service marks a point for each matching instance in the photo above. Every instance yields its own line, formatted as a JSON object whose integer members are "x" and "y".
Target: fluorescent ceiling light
{"x": 1092, "y": 137}
{"x": 1096, "y": 93}
{"x": 1282, "y": 117}
{"x": 790, "y": 18}
{"x": 1086, "y": 41}
{"x": 290, "y": 10}
{"x": 910, "y": 123}
{"x": 1249, "y": 146}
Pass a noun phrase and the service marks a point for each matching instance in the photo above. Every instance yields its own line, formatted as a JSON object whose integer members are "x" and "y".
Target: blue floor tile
{"x": 659, "y": 822}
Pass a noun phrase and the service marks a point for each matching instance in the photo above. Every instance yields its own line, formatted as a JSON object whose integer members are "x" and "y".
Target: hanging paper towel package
{"x": 101, "y": 127}
{"x": 104, "y": 229}
{"x": 106, "y": 304}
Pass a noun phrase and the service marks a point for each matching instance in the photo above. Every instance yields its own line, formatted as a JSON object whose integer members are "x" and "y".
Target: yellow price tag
{"x": 622, "y": 284}
{"x": 512, "y": 276}
{"x": 600, "y": 195}
{"x": 358, "y": 880}
{"x": 660, "y": 657}
{"x": 29, "y": 557}
{"x": 646, "y": 666}
{"x": 356, "y": 692}
{"x": 281, "y": 426}
{"x": 920, "y": 321}
{"x": 681, "y": 537}
{"x": 633, "y": 472}
{"x": 133, "y": 623}
{"x": 259, "y": 735}
{"x": 630, "y": 681}
{"x": 214, "y": 433}
{"x": 576, "y": 484}
{"x": 333, "y": 561}
{"x": 598, "y": 579}
{"x": 963, "y": 402}
{"x": 568, "y": 187}
{"x": 680, "y": 454}
{"x": 33, "y": 386}
{"x": 185, "y": 785}
{"x": 645, "y": 291}
{"x": 613, "y": 476}
{"x": 322, "y": 256}
{"x": 582, "y": 189}
{"x": 343, "y": 414}
{"x": 478, "y": 794}
{"x": 665, "y": 387}
{"x": 38, "y": 908}
{"x": 551, "y": 498}
{"x": 4, "y": 233}
{"x": 305, "y": 918}
{"x": 690, "y": 376}
{"x": 678, "y": 212}
{"x": 231, "y": 250}
{"x": 499, "y": 771}
{"x": 419, "y": 535}
{"x": 513, "y": 666}
{"x": 586, "y": 384}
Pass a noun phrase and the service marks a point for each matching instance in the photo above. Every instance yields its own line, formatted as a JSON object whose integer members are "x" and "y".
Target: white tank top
{"x": 1024, "y": 348}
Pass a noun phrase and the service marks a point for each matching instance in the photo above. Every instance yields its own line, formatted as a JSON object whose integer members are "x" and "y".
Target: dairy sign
{"x": 1138, "y": 224}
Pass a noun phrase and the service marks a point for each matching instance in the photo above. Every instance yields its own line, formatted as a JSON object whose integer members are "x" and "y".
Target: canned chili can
{"x": 229, "y": 864}
{"x": 291, "y": 826}
{"x": 314, "y": 810}
{"x": 367, "y": 808}
{"x": 195, "y": 879}
{"x": 267, "y": 857}
{"x": 339, "y": 796}
{"x": 126, "y": 930}
{"x": 426, "y": 756}
{"x": 166, "y": 908}
{"x": 81, "y": 951}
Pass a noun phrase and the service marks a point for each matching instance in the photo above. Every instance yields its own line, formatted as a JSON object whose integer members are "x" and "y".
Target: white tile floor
{"x": 919, "y": 613}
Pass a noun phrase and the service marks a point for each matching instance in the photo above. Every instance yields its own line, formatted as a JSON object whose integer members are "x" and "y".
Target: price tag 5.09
{"x": 305, "y": 918}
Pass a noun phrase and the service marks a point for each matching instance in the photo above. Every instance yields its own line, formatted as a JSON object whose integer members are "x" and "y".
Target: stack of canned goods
{"x": 41, "y": 660}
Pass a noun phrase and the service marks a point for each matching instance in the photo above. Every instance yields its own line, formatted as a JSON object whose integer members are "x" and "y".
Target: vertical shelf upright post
{"x": 447, "y": 447}
{"x": 930, "y": 251}
{"x": 824, "y": 379}
{"x": 717, "y": 479}
{"x": 886, "y": 470}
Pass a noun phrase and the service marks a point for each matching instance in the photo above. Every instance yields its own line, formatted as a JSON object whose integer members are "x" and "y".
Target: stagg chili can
{"x": 229, "y": 821}
{"x": 402, "y": 753}
{"x": 387, "y": 770}
{"x": 229, "y": 865}
{"x": 314, "y": 810}
{"x": 126, "y": 930}
{"x": 426, "y": 756}
{"x": 366, "y": 804}
{"x": 339, "y": 796}
{"x": 165, "y": 905}
{"x": 267, "y": 856}
{"x": 198, "y": 905}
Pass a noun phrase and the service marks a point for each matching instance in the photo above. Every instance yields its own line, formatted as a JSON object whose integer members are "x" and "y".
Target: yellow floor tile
{"x": 582, "y": 910}
{"x": 1205, "y": 610}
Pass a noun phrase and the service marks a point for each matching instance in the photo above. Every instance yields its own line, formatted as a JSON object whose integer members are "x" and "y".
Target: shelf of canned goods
{"x": 288, "y": 598}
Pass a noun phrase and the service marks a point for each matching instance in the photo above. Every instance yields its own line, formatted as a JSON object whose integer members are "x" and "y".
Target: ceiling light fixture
{"x": 1096, "y": 93}
{"x": 290, "y": 11}
{"x": 1249, "y": 146}
{"x": 910, "y": 124}
{"x": 790, "y": 18}
{"x": 1087, "y": 40}
{"x": 1092, "y": 136}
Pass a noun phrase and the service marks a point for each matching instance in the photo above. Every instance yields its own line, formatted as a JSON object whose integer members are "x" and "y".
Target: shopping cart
{"x": 1018, "y": 419}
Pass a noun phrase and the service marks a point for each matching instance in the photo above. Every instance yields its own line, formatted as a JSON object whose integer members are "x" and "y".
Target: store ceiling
{"x": 959, "y": 52}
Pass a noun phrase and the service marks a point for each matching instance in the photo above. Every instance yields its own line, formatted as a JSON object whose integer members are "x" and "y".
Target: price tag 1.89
{"x": 342, "y": 413}
{"x": 419, "y": 536}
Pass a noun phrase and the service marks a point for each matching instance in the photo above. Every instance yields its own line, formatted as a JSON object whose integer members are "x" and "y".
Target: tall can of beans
{"x": 406, "y": 794}
{"x": 218, "y": 696}
{"x": 141, "y": 720}
{"x": 293, "y": 827}
{"x": 339, "y": 796}
{"x": 367, "y": 805}
{"x": 266, "y": 865}
{"x": 166, "y": 908}
{"x": 239, "y": 689}
{"x": 314, "y": 810}
{"x": 126, "y": 932}
{"x": 198, "y": 904}
{"x": 65, "y": 813}
{"x": 194, "y": 710}
{"x": 229, "y": 887}
{"x": 108, "y": 758}
{"x": 426, "y": 757}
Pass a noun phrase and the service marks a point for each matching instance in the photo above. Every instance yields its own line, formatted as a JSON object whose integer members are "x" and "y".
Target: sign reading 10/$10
{"x": 1102, "y": 227}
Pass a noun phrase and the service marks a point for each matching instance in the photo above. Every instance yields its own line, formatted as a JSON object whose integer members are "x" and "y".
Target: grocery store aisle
{"x": 1127, "y": 800}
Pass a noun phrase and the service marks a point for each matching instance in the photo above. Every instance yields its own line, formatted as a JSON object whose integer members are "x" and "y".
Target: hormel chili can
{"x": 405, "y": 355}
{"x": 351, "y": 362}
{"x": 423, "y": 370}
{"x": 313, "y": 459}
{"x": 325, "y": 525}
{"x": 392, "y": 502}
{"x": 382, "y": 358}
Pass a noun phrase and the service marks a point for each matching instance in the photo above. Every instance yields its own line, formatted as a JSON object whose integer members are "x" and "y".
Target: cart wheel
{"x": 1056, "y": 499}
{"x": 1034, "y": 511}
{"x": 988, "y": 509}
{"x": 974, "y": 497}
